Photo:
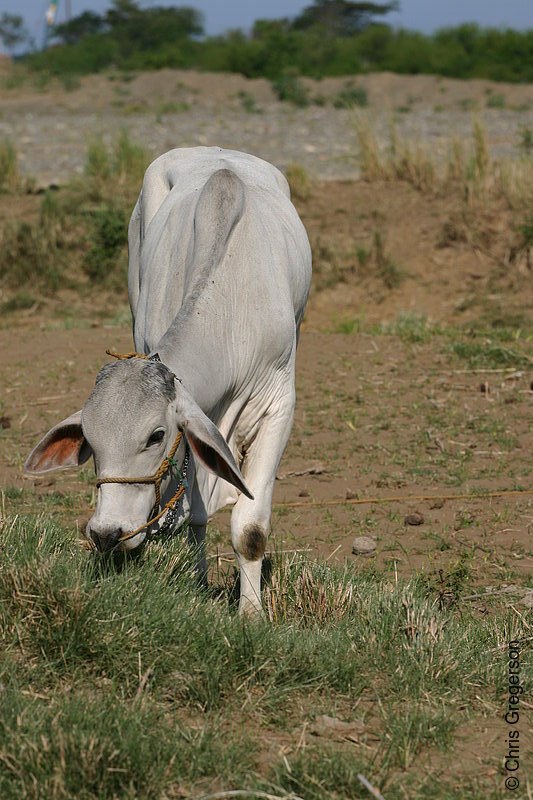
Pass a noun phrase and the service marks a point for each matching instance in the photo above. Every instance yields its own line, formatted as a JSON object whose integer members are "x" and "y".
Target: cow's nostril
{"x": 105, "y": 539}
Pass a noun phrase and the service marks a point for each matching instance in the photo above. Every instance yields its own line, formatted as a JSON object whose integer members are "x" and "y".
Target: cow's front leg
{"x": 196, "y": 533}
{"x": 250, "y": 519}
{"x": 196, "y": 539}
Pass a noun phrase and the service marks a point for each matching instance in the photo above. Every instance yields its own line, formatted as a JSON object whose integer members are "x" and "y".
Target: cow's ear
{"x": 63, "y": 446}
{"x": 208, "y": 444}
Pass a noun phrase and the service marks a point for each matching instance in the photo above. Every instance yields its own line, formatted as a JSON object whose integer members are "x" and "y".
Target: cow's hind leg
{"x": 250, "y": 519}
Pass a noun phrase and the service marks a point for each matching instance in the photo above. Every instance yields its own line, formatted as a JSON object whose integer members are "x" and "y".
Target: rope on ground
{"x": 359, "y": 501}
{"x": 401, "y": 499}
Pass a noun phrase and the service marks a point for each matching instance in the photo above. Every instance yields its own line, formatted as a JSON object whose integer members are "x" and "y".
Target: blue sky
{"x": 423, "y": 15}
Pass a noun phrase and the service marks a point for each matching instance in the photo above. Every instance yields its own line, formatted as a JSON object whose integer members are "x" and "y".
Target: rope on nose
{"x": 167, "y": 463}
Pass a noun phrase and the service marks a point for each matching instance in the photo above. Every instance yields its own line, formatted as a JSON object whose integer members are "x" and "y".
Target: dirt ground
{"x": 389, "y": 420}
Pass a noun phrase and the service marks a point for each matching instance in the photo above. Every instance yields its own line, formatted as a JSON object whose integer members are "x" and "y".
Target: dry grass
{"x": 469, "y": 168}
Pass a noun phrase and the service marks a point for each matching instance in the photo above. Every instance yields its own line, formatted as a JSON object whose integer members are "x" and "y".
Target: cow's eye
{"x": 156, "y": 438}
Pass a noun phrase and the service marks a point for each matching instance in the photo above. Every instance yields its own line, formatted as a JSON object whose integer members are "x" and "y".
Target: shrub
{"x": 129, "y": 159}
{"x": 526, "y": 139}
{"x": 108, "y": 236}
{"x": 496, "y": 101}
{"x": 29, "y": 255}
{"x": 351, "y": 96}
{"x": 290, "y": 89}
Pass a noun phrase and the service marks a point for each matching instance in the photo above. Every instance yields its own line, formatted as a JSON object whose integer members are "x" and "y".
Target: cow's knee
{"x": 250, "y": 544}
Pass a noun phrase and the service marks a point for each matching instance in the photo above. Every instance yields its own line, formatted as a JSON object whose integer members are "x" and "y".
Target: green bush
{"x": 351, "y": 96}
{"x": 129, "y": 37}
{"x": 290, "y": 89}
{"x": 298, "y": 180}
{"x": 110, "y": 233}
{"x": 129, "y": 159}
{"x": 29, "y": 254}
{"x": 496, "y": 101}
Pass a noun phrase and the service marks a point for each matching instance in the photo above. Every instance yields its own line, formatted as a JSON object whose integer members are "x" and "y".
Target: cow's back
{"x": 264, "y": 267}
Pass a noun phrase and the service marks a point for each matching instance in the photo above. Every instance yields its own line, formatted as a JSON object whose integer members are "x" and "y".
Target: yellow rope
{"x": 123, "y": 356}
{"x": 410, "y": 498}
{"x": 399, "y": 499}
{"x": 165, "y": 508}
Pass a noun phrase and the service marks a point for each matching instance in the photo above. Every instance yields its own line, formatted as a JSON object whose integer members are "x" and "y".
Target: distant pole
{"x": 68, "y": 10}
{"x": 50, "y": 18}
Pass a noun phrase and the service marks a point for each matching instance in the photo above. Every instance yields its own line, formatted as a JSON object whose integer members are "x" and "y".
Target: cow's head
{"x": 129, "y": 424}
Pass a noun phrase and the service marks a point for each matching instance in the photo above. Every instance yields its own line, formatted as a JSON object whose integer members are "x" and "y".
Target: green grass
{"x": 298, "y": 180}
{"x": 9, "y": 173}
{"x": 130, "y": 681}
{"x": 490, "y": 354}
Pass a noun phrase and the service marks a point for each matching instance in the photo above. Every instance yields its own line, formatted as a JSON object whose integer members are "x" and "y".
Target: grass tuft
{"x": 298, "y": 180}
{"x": 9, "y": 172}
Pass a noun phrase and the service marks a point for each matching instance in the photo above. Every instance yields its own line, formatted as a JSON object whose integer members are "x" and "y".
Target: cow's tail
{"x": 219, "y": 208}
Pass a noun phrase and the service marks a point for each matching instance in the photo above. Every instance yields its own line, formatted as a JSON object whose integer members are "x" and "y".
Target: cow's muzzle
{"x": 105, "y": 538}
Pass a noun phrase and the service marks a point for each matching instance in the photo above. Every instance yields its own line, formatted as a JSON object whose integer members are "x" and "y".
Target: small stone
{"x": 527, "y": 600}
{"x": 5, "y": 422}
{"x": 351, "y": 495}
{"x": 363, "y": 546}
{"x": 438, "y": 503}
{"x": 414, "y": 518}
{"x": 304, "y": 493}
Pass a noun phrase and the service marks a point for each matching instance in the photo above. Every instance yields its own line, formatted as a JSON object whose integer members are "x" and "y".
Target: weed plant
{"x": 9, "y": 172}
{"x": 298, "y": 180}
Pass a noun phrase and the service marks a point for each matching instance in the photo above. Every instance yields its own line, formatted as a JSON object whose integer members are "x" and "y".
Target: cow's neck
{"x": 198, "y": 355}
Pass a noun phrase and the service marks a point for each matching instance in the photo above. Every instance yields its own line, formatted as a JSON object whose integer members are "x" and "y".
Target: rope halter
{"x": 167, "y": 464}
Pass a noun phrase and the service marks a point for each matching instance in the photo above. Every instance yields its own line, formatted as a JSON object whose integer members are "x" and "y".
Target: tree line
{"x": 328, "y": 38}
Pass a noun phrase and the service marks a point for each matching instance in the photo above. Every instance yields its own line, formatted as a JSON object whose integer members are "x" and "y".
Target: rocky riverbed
{"x": 51, "y": 126}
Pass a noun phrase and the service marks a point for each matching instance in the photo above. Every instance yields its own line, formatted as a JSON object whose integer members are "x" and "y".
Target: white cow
{"x": 219, "y": 275}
